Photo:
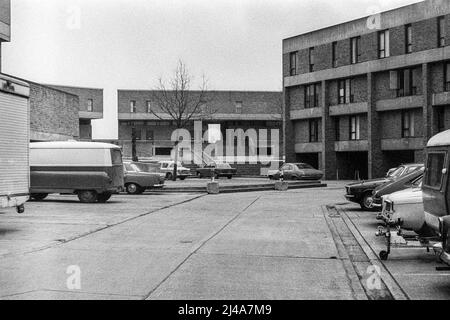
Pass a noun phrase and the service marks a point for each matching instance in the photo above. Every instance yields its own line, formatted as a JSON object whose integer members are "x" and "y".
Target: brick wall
{"x": 301, "y": 129}
{"x": 323, "y": 57}
{"x": 424, "y": 35}
{"x": 397, "y": 40}
{"x": 53, "y": 112}
{"x": 391, "y": 124}
{"x": 344, "y": 127}
{"x": 369, "y": 47}
{"x": 437, "y": 77}
{"x": 84, "y": 94}
{"x": 343, "y": 52}
{"x": 296, "y": 97}
{"x": 359, "y": 90}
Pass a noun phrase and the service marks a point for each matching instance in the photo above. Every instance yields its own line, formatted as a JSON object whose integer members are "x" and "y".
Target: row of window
{"x": 133, "y": 108}
{"x": 355, "y": 127}
{"x": 355, "y": 47}
{"x": 403, "y": 81}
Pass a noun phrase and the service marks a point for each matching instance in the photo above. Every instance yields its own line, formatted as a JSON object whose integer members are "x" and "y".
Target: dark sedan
{"x": 217, "y": 170}
{"x": 298, "y": 171}
{"x": 138, "y": 178}
{"x": 361, "y": 192}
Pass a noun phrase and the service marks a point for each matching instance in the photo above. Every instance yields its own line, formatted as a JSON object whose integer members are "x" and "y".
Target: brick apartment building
{"x": 361, "y": 97}
{"x": 90, "y": 107}
{"x": 231, "y": 110}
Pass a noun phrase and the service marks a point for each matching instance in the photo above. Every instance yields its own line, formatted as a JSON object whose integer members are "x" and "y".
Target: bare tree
{"x": 175, "y": 100}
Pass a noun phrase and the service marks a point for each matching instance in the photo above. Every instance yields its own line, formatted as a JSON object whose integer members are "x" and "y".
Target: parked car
{"x": 405, "y": 208}
{"x": 137, "y": 179}
{"x": 398, "y": 184}
{"x": 91, "y": 170}
{"x": 361, "y": 192}
{"x": 298, "y": 171}
{"x": 14, "y": 139}
{"x": 167, "y": 168}
{"x": 217, "y": 170}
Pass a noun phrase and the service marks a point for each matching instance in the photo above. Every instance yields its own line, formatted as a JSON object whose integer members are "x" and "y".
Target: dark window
{"x": 90, "y": 105}
{"x": 408, "y": 38}
{"x": 440, "y": 114}
{"x": 136, "y": 133}
{"x": 312, "y": 96}
{"x": 313, "y": 130}
{"x": 355, "y": 127}
{"x": 148, "y": 134}
{"x": 407, "y": 124}
{"x": 132, "y": 106}
{"x": 405, "y": 83}
{"x": 311, "y": 59}
{"x": 116, "y": 157}
{"x": 435, "y": 164}
{"x": 337, "y": 129}
{"x": 383, "y": 44}
{"x": 354, "y": 50}
{"x": 293, "y": 63}
{"x": 345, "y": 91}
{"x": 163, "y": 151}
{"x": 333, "y": 54}
{"x": 447, "y": 76}
{"x": 238, "y": 106}
{"x": 441, "y": 31}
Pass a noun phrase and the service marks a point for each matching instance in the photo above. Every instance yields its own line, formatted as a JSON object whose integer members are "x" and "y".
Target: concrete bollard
{"x": 212, "y": 187}
{"x": 281, "y": 185}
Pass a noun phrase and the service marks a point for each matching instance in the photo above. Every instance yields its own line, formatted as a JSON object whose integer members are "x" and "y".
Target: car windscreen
{"x": 223, "y": 166}
{"x": 417, "y": 183}
{"x": 116, "y": 157}
{"x": 304, "y": 166}
{"x": 397, "y": 172}
{"x": 128, "y": 167}
{"x": 148, "y": 167}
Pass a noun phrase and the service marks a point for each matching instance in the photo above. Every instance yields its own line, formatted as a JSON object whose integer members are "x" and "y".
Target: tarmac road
{"x": 255, "y": 245}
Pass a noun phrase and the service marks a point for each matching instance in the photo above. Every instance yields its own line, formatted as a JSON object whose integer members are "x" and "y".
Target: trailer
{"x": 14, "y": 143}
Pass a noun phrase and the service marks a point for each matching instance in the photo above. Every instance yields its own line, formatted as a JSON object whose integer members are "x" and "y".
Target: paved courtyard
{"x": 299, "y": 244}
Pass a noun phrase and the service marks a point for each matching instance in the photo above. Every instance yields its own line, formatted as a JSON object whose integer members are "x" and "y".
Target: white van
{"x": 91, "y": 170}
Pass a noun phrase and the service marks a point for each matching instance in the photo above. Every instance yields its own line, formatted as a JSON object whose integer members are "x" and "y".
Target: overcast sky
{"x": 129, "y": 44}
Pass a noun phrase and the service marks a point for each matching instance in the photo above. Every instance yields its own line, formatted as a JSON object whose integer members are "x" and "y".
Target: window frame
{"x": 238, "y": 107}
{"x": 447, "y": 76}
{"x": 441, "y": 183}
{"x": 293, "y": 56}
{"x": 311, "y": 59}
{"x": 354, "y": 49}
{"x": 441, "y": 32}
{"x": 384, "y": 44}
{"x": 311, "y": 93}
{"x": 313, "y": 130}
{"x": 333, "y": 54}
{"x": 90, "y": 105}
{"x": 440, "y": 114}
{"x": 356, "y": 129}
{"x": 408, "y": 130}
{"x": 408, "y": 38}
{"x": 345, "y": 91}
{"x": 133, "y": 107}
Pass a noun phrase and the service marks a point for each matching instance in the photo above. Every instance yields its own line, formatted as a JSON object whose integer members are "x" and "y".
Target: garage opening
{"x": 392, "y": 159}
{"x": 310, "y": 158}
{"x": 351, "y": 165}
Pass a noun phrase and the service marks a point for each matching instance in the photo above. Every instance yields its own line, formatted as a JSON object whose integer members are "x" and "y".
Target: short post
{"x": 212, "y": 187}
{"x": 281, "y": 185}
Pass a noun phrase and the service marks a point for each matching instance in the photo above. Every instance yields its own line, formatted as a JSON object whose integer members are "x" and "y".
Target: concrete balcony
{"x": 349, "y": 108}
{"x": 351, "y": 146}
{"x": 90, "y": 115}
{"x": 308, "y": 147}
{"x": 308, "y": 113}
{"x": 402, "y": 144}
{"x": 400, "y": 103}
{"x": 439, "y": 99}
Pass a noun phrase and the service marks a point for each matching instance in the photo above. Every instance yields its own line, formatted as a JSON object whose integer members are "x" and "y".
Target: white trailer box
{"x": 14, "y": 143}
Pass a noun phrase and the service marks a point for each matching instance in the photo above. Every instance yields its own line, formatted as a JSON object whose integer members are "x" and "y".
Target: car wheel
{"x": 169, "y": 176}
{"x": 103, "y": 197}
{"x": 87, "y": 196}
{"x": 39, "y": 196}
{"x": 199, "y": 175}
{"x": 182, "y": 178}
{"x": 133, "y": 188}
{"x": 229, "y": 177}
{"x": 366, "y": 201}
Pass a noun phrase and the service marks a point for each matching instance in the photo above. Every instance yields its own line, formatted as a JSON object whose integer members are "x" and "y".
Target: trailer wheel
{"x": 20, "y": 209}
{"x": 87, "y": 196}
{"x": 103, "y": 197}
{"x": 39, "y": 196}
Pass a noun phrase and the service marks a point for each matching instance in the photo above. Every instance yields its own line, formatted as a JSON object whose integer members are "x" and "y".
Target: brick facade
{"x": 382, "y": 97}
{"x": 53, "y": 114}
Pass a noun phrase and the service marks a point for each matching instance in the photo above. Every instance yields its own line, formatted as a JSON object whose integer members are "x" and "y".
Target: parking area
{"x": 253, "y": 245}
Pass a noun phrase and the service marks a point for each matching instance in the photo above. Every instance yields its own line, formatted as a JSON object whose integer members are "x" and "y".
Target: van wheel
{"x": 103, "y": 197}
{"x": 38, "y": 196}
{"x": 87, "y": 196}
{"x": 133, "y": 188}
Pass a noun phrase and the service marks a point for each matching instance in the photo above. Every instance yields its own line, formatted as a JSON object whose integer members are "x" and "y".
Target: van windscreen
{"x": 116, "y": 157}
{"x": 435, "y": 164}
